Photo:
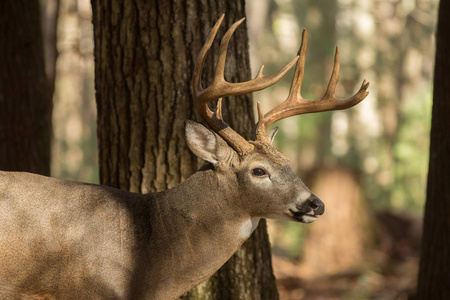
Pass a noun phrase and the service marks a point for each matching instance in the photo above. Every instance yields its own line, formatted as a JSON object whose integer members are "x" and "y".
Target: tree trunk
{"x": 145, "y": 52}
{"x": 434, "y": 274}
{"x": 25, "y": 99}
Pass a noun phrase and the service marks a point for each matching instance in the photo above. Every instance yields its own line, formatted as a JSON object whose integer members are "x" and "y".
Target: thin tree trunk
{"x": 434, "y": 273}
{"x": 49, "y": 21}
{"x": 145, "y": 53}
{"x": 25, "y": 99}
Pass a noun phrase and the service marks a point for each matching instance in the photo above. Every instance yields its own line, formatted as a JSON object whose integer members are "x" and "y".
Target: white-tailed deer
{"x": 68, "y": 240}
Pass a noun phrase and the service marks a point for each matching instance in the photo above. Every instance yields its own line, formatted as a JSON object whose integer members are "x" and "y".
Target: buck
{"x": 68, "y": 240}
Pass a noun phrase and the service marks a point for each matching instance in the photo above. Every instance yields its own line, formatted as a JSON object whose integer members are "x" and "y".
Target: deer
{"x": 62, "y": 239}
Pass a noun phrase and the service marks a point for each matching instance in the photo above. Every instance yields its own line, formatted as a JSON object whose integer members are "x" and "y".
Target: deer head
{"x": 261, "y": 176}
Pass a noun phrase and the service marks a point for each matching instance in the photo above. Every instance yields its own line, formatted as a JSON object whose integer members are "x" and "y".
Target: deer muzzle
{"x": 316, "y": 205}
{"x": 309, "y": 210}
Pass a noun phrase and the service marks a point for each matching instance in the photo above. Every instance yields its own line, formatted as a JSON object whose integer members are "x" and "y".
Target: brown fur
{"x": 68, "y": 240}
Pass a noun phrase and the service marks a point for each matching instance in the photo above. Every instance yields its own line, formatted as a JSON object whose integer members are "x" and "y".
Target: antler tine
{"x": 221, "y": 88}
{"x": 197, "y": 75}
{"x": 220, "y": 67}
{"x": 295, "y": 104}
{"x": 297, "y": 81}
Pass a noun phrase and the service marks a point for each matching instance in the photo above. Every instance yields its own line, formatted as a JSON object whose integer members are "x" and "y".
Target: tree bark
{"x": 145, "y": 52}
{"x": 25, "y": 98}
{"x": 434, "y": 273}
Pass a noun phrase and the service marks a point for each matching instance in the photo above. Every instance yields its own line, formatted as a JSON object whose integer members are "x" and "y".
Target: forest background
{"x": 368, "y": 164}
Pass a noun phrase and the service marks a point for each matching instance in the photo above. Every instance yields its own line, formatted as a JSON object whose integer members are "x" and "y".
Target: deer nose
{"x": 316, "y": 205}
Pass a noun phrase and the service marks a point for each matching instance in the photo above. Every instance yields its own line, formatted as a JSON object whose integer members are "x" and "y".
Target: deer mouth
{"x": 303, "y": 217}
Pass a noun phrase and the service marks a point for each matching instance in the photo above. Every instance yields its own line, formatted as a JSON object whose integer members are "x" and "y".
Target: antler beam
{"x": 295, "y": 104}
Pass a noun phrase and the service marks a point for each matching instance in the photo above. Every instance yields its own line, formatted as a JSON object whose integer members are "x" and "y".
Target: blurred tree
{"x": 74, "y": 146}
{"x": 145, "y": 54}
{"x": 331, "y": 177}
{"x": 400, "y": 58}
{"x": 337, "y": 242}
{"x": 311, "y": 145}
{"x": 49, "y": 21}
{"x": 25, "y": 97}
{"x": 434, "y": 274}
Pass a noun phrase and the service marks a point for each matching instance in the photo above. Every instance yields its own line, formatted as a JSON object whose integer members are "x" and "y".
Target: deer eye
{"x": 259, "y": 172}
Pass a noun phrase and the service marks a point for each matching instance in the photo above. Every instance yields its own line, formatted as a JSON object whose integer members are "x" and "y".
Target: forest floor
{"x": 396, "y": 281}
{"x": 389, "y": 271}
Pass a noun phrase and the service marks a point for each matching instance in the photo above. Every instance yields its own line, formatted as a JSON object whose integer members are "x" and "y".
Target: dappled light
{"x": 368, "y": 164}
{"x": 74, "y": 150}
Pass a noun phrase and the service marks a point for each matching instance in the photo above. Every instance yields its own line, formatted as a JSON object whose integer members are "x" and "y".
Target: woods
{"x": 368, "y": 164}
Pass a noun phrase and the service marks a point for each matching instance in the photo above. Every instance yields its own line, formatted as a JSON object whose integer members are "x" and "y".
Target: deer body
{"x": 62, "y": 239}
{"x": 67, "y": 240}
{"x": 73, "y": 240}
{"x": 95, "y": 242}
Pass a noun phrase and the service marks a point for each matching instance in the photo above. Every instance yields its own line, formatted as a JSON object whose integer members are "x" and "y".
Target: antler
{"x": 296, "y": 105}
{"x": 221, "y": 88}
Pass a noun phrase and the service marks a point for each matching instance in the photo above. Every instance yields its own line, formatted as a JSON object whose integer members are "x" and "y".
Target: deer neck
{"x": 199, "y": 231}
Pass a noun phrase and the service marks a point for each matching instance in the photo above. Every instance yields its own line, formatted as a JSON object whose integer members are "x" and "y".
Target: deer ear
{"x": 203, "y": 142}
{"x": 271, "y": 134}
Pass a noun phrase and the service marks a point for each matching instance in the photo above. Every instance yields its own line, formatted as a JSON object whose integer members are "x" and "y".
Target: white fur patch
{"x": 309, "y": 219}
{"x": 248, "y": 227}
